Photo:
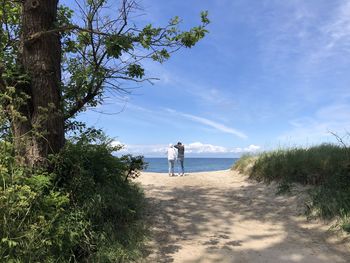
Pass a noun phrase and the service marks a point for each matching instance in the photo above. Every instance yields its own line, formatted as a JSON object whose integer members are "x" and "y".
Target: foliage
{"x": 102, "y": 50}
{"x": 326, "y": 167}
{"x": 36, "y": 222}
{"x": 70, "y": 213}
{"x": 81, "y": 206}
{"x": 133, "y": 165}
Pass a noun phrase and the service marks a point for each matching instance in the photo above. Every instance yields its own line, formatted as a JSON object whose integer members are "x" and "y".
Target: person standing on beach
{"x": 171, "y": 159}
{"x": 181, "y": 156}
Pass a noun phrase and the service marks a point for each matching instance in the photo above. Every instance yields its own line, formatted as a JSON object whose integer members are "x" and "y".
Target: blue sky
{"x": 269, "y": 74}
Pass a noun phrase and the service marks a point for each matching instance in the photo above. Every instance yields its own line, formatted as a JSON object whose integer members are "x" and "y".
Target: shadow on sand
{"x": 211, "y": 215}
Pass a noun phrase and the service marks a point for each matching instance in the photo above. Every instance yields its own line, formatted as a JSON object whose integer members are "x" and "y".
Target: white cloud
{"x": 331, "y": 41}
{"x": 198, "y": 147}
{"x": 338, "y": 30}
{"x": 250, "y": 149}
{"x": 210, "y": 123}
{"x": 316, "y": 129}
{"x": 142, "y": 149}
{"x": 213, "y": 124}
{"x": 334, "y": 112}
{"x": 191, "y": 148}
{"x": 216, "y": 125}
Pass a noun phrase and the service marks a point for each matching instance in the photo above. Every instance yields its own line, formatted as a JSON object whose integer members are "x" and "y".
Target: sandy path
{"x": 224, "y": 217}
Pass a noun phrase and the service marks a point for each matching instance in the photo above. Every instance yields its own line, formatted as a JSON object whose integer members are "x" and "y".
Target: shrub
{"x": 81, "y": 209}
{"x": 36, "y": 221}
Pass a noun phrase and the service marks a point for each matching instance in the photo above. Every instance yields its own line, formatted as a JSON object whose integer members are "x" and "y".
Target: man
{"x": 181, "y": 156}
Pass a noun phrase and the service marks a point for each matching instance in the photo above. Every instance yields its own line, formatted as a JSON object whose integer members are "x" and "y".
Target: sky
{"x": 269, "y": 74}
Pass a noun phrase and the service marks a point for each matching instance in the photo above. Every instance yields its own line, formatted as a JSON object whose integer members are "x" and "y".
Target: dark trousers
{"x": 181, "y": 162}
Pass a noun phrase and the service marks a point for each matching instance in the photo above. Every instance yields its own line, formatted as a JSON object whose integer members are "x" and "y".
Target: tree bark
{"x": 42, "y": 131}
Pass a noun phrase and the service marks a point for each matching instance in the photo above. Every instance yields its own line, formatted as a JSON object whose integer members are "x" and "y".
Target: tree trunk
{"x": 42, "y": 131}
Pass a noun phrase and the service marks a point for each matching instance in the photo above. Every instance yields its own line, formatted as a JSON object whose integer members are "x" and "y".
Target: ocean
{"x": 160, "y": 165}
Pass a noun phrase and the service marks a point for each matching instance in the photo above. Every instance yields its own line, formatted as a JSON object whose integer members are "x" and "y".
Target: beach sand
{"x": 224, "y": 217}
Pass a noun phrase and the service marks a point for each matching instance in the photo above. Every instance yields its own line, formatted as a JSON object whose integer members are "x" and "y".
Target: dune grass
{"x": 325, "y": 167}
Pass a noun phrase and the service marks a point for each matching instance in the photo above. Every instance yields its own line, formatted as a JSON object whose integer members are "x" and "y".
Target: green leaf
{"x": 135, "y": 71}
{"x": 161, "y": 55}
{"x": 116, "y": 44}
{"x": 204, "y": 17}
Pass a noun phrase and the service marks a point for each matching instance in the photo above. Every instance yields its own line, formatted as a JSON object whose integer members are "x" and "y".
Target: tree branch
{"x": 79, "y": 105}
{"x": 95, "y": 67}
{"x": 40, "y": 34}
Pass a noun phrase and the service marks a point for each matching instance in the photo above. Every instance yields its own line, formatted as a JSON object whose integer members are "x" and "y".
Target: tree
{"x": 96, "y": 54}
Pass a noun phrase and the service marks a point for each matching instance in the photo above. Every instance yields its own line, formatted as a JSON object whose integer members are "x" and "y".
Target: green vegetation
{"x": 84, "y": 209}
{"x": 326, "y": 167}
{"x": 70, "y": 199}
{"x": 95, "y": 52}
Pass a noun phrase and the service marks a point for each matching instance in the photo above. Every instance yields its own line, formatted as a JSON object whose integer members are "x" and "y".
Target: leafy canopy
{"x": 102, "y": 49}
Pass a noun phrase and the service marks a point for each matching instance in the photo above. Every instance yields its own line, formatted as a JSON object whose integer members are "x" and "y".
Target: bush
{"x": 36, "y": 221}
{"x": 84, "y": 209}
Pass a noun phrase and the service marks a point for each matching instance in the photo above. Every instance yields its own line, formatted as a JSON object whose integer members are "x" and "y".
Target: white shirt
{"x": 171, "y": 153}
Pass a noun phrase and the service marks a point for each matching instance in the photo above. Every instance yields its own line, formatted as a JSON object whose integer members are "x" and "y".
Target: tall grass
{"x": 326, "y": 167}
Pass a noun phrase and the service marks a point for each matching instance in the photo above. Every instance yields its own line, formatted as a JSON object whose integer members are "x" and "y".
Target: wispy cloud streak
{"x": 210, "y": 123}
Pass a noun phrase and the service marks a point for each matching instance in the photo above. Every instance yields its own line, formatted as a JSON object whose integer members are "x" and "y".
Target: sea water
{"x": 160, "y": 165}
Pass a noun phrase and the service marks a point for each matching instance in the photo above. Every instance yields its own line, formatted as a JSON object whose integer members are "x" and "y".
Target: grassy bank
{"x": 325, "y": 167}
